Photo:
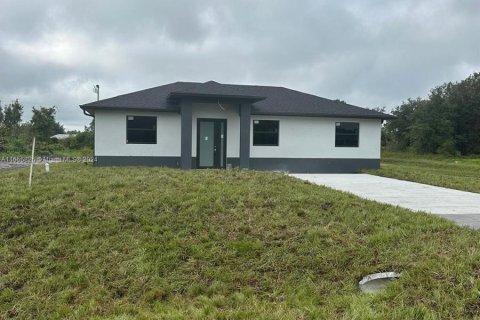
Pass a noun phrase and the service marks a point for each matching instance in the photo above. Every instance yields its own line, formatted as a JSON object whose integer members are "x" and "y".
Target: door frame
{"x": 224, "y": 155}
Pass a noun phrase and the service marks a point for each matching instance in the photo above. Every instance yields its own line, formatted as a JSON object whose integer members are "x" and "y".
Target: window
{"x": 265, "y": 132}
{"x": 141, "y": 130}
{"x": 346, "y": 134}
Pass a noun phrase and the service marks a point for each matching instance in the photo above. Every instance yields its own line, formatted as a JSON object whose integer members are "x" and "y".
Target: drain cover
{"x": 377, "y": 281}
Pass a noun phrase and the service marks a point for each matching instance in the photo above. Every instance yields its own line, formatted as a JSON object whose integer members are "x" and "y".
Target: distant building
{"x": 62, "y": 136}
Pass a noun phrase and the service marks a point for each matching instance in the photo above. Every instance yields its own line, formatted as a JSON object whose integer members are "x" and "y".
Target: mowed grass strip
{"x": 154, "y": 243}
{"x": 462, "y": 173}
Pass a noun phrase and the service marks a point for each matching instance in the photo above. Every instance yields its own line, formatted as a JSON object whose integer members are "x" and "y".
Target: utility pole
{"x": 96, "y": 89}
{"x": 31, "y": 165}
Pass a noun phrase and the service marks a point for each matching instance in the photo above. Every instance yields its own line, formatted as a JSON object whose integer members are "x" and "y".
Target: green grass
{"x": 462, "y": 173}
{"x": 153, "y": 243}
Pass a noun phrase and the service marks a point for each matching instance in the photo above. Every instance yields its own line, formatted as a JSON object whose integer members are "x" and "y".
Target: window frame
{"x": 358, "y": 135}
{"x": 140, "y": 116}
{"x": 266, "y": 145}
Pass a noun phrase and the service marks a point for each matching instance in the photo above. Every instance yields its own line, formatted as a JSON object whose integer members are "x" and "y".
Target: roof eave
{"x": 324, "y": 115}
{"x": 148, "y": 109}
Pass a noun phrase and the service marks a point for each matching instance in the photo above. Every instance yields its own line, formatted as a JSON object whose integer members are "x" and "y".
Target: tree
{"x": 91, "y": 126}
{"x": 397, "y": 131}
{"x": 447, "y": 122}
{"x": 12, "y": 116}
{"x": 1, "y": 115}
{"x": 43, "y": 123}
{"x": 464, "y": 98}
{"x": 383, "y": 130}
{"x": 379, "y": 109}
{"x": 3, "y": 139}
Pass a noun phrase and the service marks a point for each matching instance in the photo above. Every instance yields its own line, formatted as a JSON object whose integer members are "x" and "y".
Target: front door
{"x": 211, "y": 143}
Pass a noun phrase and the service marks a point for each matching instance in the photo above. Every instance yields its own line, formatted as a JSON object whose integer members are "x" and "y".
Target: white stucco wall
{"x": 305, "y": 137}
{"x": 111, "y": 135}
{"x": 213, "y": 111}
{"x": 299, "y": 137}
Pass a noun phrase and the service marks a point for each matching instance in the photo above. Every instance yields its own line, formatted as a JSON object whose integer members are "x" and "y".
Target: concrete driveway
{"x": 460, "y": 206}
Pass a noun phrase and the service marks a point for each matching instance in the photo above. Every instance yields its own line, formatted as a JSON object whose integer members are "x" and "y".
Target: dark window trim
{"x": 126, "y": 129}
{"x": 358, "y": 134}
{"x": 265, "y": 145}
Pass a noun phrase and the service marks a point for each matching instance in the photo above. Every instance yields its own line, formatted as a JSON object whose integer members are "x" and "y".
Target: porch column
{"x": 186, "y": 134}
{"x": 245, "y": 111}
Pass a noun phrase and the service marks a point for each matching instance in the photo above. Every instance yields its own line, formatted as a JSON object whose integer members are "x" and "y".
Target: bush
{"x": 80, "y": 140}
{"x": 448, "y": 148}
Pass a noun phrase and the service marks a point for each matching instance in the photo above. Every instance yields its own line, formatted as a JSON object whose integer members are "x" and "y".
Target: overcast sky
{"x": 369, "y": 53}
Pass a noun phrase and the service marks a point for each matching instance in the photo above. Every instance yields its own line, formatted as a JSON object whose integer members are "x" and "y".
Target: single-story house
{"x": 213, "y": 125}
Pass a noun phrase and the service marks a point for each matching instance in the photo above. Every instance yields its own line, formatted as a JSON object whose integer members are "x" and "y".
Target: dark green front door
{"x": 211, "y": 143}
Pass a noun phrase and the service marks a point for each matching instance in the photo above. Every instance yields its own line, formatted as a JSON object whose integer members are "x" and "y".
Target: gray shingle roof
{"x": 215, "y": 89}
{"x": 265, "y": 100}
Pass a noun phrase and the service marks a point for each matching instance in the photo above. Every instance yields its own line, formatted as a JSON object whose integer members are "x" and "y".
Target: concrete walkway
{"x": 460, "y": 206}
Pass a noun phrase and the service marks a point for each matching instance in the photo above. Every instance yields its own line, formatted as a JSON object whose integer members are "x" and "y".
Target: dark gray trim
{"x": 305, "y": 165}
{"x": 293, "y": 165}
{"x": 233, "y": 162}
{"x": 321, "y": 115}
{"x": 245, "y": 110}
{"x": 175, "y": 109}
{"x": 131, "y": 109}
{"x": 172, "y": 162}
{"x": 186, "y": 133}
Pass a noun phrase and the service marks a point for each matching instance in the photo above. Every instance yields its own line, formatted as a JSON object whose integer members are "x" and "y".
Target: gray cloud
{"x": 369, "y": 53}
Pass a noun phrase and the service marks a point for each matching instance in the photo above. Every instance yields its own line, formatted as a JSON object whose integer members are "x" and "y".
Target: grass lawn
{"x": 462, "y": 173}
{"x": 153, "y": 243}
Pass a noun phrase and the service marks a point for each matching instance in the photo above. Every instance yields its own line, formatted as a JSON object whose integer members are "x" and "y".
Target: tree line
{"x": 446, "y": 122}
{"x": 16, "y": 136}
